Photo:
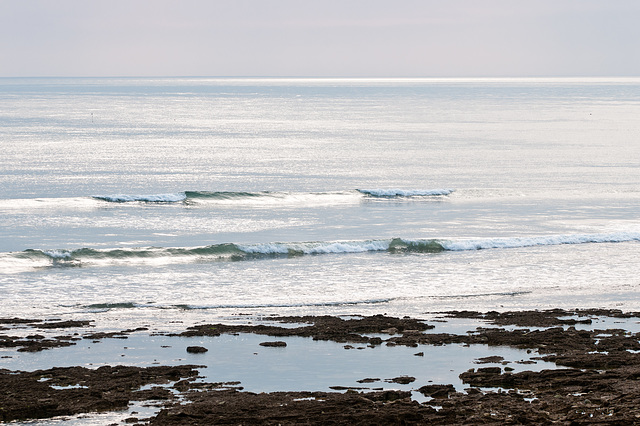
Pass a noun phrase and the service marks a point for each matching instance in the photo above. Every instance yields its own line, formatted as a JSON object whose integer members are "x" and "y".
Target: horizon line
{"x": 334, "y": 77}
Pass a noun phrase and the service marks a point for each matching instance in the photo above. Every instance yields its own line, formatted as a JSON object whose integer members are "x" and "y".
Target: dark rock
{"x": 600, "y": 385}
{"x": 34, "y": 343}
{"x": 196, "y": 349}
{"x": 368, "y": 380}
{"x": 437, "y": 391}
{"x": 403, "y": 380}
{"x": 26, "y": 396}
{"x": 489, "y": 360}
{"x": 276, "y": 344}
{"x": 19, "y": 321}
{"x": 63, "y": 324}
{"x": 293, "y": 408}
{"x": 321, "y": 328}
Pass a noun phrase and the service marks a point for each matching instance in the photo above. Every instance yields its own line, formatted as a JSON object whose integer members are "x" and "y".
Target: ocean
{"x": 169, "y": 201}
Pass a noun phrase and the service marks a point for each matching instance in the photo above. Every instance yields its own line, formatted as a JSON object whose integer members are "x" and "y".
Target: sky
{"x": 321, "y": 38}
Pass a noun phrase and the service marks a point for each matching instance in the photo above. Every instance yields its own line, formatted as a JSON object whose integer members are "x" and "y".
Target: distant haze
{"x": 366, "y": 38}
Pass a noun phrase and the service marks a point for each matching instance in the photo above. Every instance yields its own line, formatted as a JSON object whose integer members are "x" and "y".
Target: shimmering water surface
{"x": 150, "y": 200}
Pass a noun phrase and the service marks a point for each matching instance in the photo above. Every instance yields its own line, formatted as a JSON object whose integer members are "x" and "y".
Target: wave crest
{"x": 230, "y": 196}
{"x": 398, "y": 193}
{"x": 154, "y": 198}
{"x": 33, "y": 258}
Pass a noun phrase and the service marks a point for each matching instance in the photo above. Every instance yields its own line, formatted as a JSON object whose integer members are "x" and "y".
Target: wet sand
{"x": 596, "y": 379}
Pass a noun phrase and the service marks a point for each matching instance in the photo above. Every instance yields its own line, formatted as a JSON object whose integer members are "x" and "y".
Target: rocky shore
{"x": 597, "y": 379}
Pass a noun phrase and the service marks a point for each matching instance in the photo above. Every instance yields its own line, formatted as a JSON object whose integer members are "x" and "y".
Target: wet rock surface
{"x": 196, "y": 349}
{"x": 276, "y": 344}
{"x": 597, "y": 380}
{"x": 289, "y": 408}
{"x": 73, "y": 390}
{"x": 336, "y": 329}
{"x": 38, "y": 342}
{"x": 35, "y": 342}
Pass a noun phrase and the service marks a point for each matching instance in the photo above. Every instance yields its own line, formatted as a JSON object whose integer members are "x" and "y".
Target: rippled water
{"x": 150, "y": 200}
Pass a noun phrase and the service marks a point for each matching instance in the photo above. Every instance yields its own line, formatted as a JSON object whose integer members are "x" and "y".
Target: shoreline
{"x": 563, "y": 368}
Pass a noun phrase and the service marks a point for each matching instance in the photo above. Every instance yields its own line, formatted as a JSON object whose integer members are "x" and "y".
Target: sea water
{"x": 158, "y": 201}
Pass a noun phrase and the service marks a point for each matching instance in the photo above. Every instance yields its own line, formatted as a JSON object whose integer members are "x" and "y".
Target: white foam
{"x": 479, "y": 244}
{"x": 76, "y": 203}
{"x": 284, "y": 198}
{"x": 349, "y": 247}
{"x": 58, "y": 254}
{"x": 18, "y": 262}
{"x": 10, "y": 264}
{"x": 317, "y": 247}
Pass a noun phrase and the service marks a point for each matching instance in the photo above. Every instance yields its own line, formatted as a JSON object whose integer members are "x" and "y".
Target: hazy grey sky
{"x": 405, "y": 38}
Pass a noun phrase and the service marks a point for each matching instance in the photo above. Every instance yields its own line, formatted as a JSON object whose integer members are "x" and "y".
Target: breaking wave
{"x": 189, "y": 307}
{"x": 226, "y": 196}
{"x": 156, "y": 198}
{"x": 238, "y": 252}
{"x": 399, "y": 193}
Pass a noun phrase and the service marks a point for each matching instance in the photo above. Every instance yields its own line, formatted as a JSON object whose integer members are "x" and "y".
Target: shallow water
{"x": 303, "y": 365}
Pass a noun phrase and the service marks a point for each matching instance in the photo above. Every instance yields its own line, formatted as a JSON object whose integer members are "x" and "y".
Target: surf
{"x": 272, "y": 197}
{"x": 34, "y": 258}
{"x": 405, "y": 193}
